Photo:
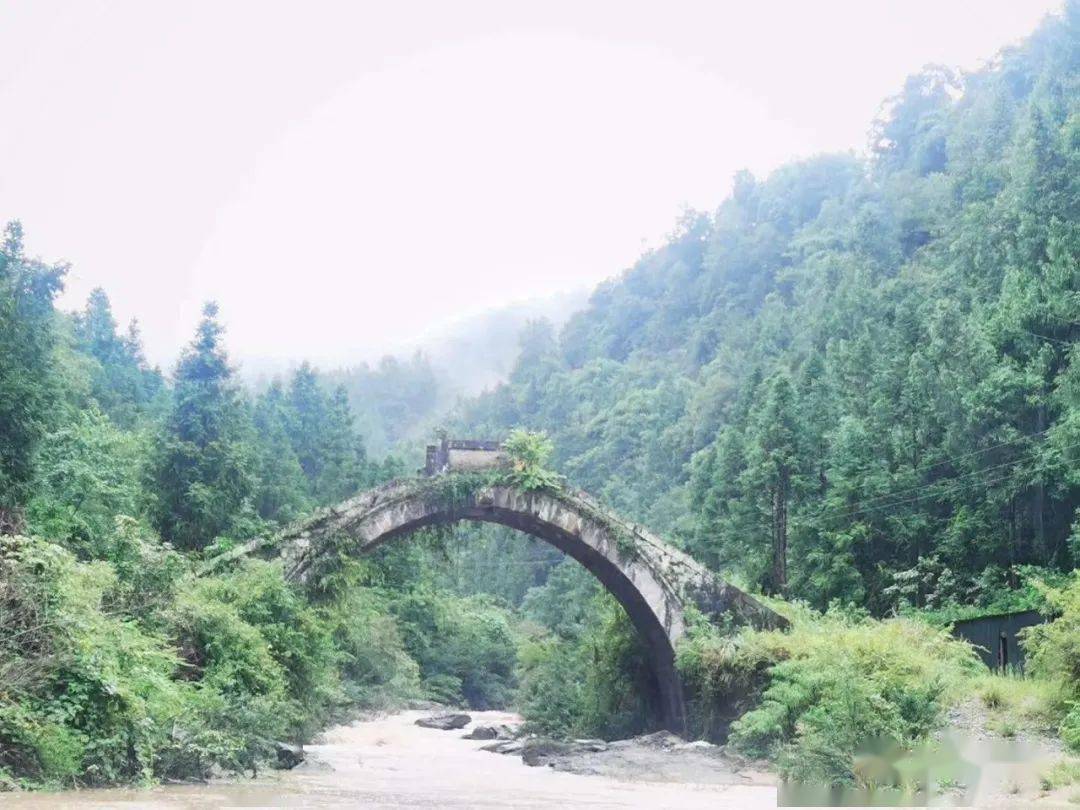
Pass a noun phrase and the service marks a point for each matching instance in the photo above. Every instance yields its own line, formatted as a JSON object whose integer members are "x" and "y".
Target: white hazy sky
{"x": 343, "y": 176}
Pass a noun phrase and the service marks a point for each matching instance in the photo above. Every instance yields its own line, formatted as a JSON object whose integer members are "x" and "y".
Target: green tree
{"x": 122, "y": 382}
{"x": 774, "y": 463}
{"x": 282, "y": 491}
{"x": 27, "y": 337}
{"x": 203, "y": 471}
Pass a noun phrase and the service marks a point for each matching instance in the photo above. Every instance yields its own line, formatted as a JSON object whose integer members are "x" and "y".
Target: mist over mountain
{"x": 399, "y": 399}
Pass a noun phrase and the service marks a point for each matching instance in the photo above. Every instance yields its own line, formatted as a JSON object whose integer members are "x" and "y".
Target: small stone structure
{"x": 464, "y": 455}
{"x": 654, "y": 582}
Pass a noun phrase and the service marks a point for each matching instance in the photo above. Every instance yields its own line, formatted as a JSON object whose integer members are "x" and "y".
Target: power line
{"x": 916, "y": 488}
{"x": 1046, "y": 337}
{"x": 954, "y": 459}
{"x": 938, "y": 494}
{"x": 916, "y": 498}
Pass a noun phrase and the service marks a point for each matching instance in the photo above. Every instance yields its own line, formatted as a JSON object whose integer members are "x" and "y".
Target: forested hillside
{"x": 857, "y": 379}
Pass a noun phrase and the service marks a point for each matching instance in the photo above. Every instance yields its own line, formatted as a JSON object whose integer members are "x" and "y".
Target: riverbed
{"x": 392, "y": 763}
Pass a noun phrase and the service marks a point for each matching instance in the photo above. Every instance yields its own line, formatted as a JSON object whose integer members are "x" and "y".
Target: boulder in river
{"x": 663, "y": 740}
{"x": 543, "y": 750}
{"x": 504, "y": 747}
{"x": 500, "y": 731}
{"x": 445, "y": 722}
{"x": 288, "y": 755}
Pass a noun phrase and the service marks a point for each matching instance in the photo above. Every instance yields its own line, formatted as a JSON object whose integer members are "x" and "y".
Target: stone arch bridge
{"x": 655, "y": 583}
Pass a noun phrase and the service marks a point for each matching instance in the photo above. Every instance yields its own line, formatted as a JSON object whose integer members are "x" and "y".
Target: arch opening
{"x": 612, "y": 578}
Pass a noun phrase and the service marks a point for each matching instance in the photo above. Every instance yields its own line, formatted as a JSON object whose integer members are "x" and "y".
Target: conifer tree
{"x": 27, "y": 289}
{"x": 283, "y": 488}
{"x": 204, "y": 467}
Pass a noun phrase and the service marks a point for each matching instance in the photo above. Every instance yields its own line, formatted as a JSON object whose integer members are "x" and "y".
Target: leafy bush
{"x": 252, "y": 638}
{"x": 133, "y": 670}
{"x": 1053, "y": 649}
{"x": 830, "y": 686}
{"x": 530, "y": 454}
{"x": 376, "y": 670}
{"x": 594, "y": 679}
{"x": 88, "y": 472}
{"x": 1070, "y": 727}
{"x": 465, "y": 647}
{"x": 1053, "y": 653}
{"x": 87, "y": 694}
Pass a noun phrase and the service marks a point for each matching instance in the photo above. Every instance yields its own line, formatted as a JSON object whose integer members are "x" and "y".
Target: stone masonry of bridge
{"x": 656, "y": 583}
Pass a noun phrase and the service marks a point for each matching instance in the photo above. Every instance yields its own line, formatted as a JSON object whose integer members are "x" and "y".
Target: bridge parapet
{"x": 464, "y": 455}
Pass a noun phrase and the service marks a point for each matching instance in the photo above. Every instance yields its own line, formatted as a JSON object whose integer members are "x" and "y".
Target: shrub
{"x": 1053, "y": 649}
{"x": 376, "y": 670}
{"x": 465, "y": 647}
{"x": 252, "y": 638}
{"x": 1070, "y": 727}
{"x": 830, "y": 686}
{"x": 595, "y": 681}
{"x": 87, "y": 694}
{"x": 530, "y": 454}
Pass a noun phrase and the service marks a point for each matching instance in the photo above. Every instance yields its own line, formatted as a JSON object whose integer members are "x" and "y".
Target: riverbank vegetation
{"x": 854, "y": 387}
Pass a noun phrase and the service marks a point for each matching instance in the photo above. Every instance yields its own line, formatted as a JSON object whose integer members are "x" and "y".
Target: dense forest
{"x": 856, "y": 380}
{"x": 853, "y": 388}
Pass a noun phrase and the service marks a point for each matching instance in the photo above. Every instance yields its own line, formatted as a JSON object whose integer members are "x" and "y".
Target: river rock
{"x": 542, "y": 750}
{"x": 504, "y": 747}
{"x": 696, "y": 745}
{"x": 589, "y": 746}
{"x": 288, "y": 755}
{"x": 445, "y": 722}
{"x": 496, "y": 732}
{"x": 664, "y": 740}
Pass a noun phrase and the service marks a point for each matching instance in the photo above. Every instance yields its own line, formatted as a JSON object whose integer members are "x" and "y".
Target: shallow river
{"x": 391, "y": 762}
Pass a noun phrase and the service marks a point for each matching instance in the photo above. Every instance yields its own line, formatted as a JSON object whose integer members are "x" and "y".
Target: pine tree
{"x": 307, "y": 424}
{"x": 774, "y": 465}
{"x": 343, "y": 453}
{"x": 121, "y": 381}
{"x": 27, "y": 289}
{"x": 282, "y": 493}
{"x": 204, "y": 469}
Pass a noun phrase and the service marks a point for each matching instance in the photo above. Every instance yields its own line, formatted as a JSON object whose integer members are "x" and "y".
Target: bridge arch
{"x": 654, "y": 582}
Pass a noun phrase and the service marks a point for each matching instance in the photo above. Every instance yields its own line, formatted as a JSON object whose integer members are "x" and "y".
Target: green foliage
{"x": 1070, "y": 727}
{"x": 864, "y": 367}
{"x": 465, "y": 648}
{"x": 835, "y": 684}
{"x": 27, "y": 289}
{"x": 584, "y": 670}
{"x": 393, "y": 400}
{"x": 87, "y": 695}
{"x": 202, "y": 471}
{"x": 1061, "y": 773}
{"x": 122, "y": 383}
{"x": 1053, "y": 654}
{"x": 1053, "y": 649}
{"x": 529, "y": 455}
{"x": 88, "y": 472}
{"x": 376, "y": 670}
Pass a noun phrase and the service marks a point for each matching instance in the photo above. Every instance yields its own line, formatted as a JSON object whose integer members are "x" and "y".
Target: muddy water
{"x": 391, "y": 762}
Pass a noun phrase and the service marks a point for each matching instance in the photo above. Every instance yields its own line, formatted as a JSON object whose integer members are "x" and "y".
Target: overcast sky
{"x": 343, "y": 176}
